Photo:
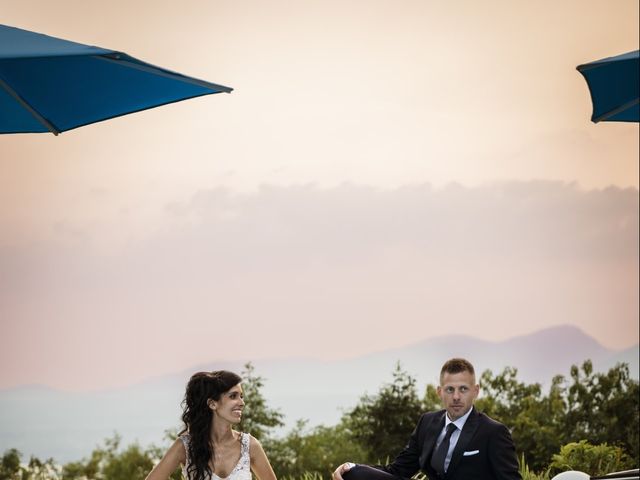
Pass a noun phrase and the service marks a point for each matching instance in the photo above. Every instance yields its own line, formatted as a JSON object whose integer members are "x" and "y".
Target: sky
{"x": 383, "y": 172}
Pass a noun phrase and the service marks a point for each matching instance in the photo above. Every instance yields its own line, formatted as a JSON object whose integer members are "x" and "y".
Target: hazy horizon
{"x": 243, "y": 360}
{"x": 143, "y": 411}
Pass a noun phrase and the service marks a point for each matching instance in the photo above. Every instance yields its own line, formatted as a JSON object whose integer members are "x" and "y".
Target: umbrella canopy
{"x": 615, "y": 87}
{"x": 52, "y": 85}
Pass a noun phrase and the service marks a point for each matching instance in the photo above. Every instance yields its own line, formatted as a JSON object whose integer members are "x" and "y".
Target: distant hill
{"x": 66, "y": 426}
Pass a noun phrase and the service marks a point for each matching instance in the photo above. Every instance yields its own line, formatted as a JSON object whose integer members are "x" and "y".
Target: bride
{"x": 208, "y": 448}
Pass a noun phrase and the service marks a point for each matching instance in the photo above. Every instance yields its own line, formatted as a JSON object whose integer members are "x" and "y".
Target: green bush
{"x": 596, "y": 460}
{"x": 311, "y": 453}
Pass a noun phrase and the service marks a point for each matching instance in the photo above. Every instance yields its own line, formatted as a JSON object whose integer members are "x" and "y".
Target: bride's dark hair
{"x": 196, "y": 415}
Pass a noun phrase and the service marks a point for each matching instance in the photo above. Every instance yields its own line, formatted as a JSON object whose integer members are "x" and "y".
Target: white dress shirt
{"x": 459, "y": 423}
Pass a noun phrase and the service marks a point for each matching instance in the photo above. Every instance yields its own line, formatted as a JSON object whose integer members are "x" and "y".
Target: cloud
{"x": 550, "y": 221}
{"x": 293, "y": 270}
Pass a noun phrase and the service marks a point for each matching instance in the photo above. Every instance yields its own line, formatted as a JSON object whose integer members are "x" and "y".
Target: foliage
{"x": 128, "y": 464}
{"x": 535, "y": 420}
{"x": 305, "y": 476}
{"x": 596, "y": 460}
{"x": 10, "y": 465}
{"x": 12, "y": 469}
{"x": 431, "y": 401}
{"x": 314, "y": 452}
{"x": 257, "y": 418}
{"x": 39, "y": 470}
{"x": 527, "y": 474}
{"x": 604, "y": 408}
{"x": 598, "y": 407}
{"x": 382, "y": 423}
{"x": 109, "y": 462}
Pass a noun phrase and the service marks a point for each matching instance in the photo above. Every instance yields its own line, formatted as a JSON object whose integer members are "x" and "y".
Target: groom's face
{"x": 458, "y": 391}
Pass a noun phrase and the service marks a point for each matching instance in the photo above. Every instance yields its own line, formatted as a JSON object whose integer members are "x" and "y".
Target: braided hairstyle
{"x": 196, "y": 415}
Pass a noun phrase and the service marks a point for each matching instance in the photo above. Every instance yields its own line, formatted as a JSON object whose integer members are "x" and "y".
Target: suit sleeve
{"x": 502, "y": 455}
{"x": 407, "y": 463}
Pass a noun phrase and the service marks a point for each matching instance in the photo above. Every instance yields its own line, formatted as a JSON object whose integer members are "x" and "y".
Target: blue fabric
{"x": 14, "y": 118}
{"x": 614, "y": 82}
{"x": 18, "y": 43}
{"x": 70, "y": 84}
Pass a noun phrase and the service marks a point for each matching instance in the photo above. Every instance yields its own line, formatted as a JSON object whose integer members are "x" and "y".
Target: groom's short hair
{"x": 456, "y": 365}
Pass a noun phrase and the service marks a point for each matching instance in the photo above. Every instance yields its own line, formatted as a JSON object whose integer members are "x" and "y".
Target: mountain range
{"x": 41, "y": 421}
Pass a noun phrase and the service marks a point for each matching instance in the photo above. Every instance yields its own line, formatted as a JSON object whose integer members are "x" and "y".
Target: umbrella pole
{"x": 46, "y": 123}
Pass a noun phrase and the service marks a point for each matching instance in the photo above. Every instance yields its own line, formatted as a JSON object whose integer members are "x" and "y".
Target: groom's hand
{"x": 345, "y": 467}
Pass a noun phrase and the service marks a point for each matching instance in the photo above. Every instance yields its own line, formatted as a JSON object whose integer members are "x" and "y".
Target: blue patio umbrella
{"x": 615, "y": 87}
{"x": 52, "y": 85}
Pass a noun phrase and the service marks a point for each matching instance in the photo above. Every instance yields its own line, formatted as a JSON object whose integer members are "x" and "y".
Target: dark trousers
{"x": 365, "y": 472}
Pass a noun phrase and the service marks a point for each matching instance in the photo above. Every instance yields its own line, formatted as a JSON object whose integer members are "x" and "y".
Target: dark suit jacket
{"x": 484, "y": 451}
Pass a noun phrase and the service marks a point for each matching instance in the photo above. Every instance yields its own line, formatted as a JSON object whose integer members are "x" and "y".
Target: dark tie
{"x": 439, "y": 456}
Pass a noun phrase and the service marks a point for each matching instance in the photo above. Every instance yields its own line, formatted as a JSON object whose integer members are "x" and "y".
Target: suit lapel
{"x": 431, "y": 435}
{"x": 467, "y": 433}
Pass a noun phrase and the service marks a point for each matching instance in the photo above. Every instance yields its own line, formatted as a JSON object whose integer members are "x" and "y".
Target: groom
{"x": 457, "y": 443}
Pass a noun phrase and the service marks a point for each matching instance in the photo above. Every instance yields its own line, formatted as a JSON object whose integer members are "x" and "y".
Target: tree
{"x": 110, "y": 462}
{"x": 313, "y": 453}
{"x": 431, "y": 401}
{"x": 382, "y": 423}
{"x": 257, "y": 418}
{"x": 88, "y": 469}
{"x": 12, "y": 469}
{"x": 39, "y": 470}
{"x": 533, "y": 419}
{"x": 597, "y": 407}
{"x": 132, "y": 463}
{"x": 10, "y": 465}
{"x": 604, "y": 407}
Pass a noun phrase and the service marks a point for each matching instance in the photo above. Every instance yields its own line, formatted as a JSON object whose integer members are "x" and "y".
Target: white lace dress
{"x": 242, "y": 470}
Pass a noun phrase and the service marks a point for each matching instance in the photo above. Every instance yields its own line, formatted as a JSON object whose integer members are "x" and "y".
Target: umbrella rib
{"x": 46, "y": 123}
{"x": 615, "y": 111}
{"x": 116, "y": 58}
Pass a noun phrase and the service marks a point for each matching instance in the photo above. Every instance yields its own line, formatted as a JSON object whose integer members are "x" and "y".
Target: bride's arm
{"x": 259, "y": 462}
{"x": 175, "y": 456}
